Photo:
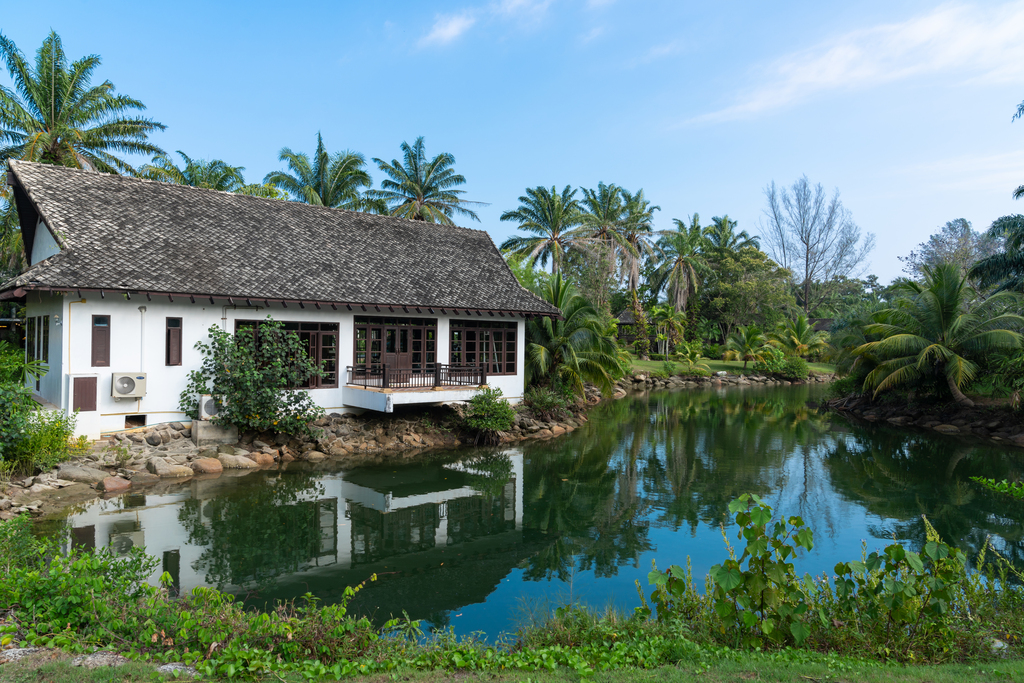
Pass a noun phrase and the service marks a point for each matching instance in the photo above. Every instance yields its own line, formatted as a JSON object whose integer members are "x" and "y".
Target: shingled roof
{"x": 126, "y": 234}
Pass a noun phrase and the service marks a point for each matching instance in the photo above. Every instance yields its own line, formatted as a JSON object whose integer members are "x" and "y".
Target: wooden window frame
{"x": 469, "y": 340}
{"x": 368, "y": 326}
{"x": 314, "y": 334}
{"x": 169, "y": 333}
{"x": 100, "y": 331}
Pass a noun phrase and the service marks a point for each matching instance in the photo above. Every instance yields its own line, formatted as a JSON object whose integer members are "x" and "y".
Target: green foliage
{"x": 15, "y": 369}
{"x": 550, "y": 216}
{"x": 746, "y": 344}
{"x": 334, "y": 180}
{"x": 15, "y": 406}
{"x": 527, "y": 275}
{"x": 1012, "y": 489}
{"x": 798, "y": 338}
{"x": 691, "y": 359}
{"x": 795, "y": 367}
{"x": 18, "y": 546}
{"x": 712, "y": 351}
{"x": 489, "y": 414}
{"x": 254, "y": 375}
{"x": 669, "y": 368}
{"x": 545, "y": 403}
{"x": 844, "y": 386}
{"x": 48, "y": 440}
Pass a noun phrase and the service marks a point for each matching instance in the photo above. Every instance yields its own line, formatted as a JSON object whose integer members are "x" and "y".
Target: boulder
{"x": 113, "y": 485}
{"x": 207, "y": 466}
{"x": 314, "y": 456}
{"x": 236, "y": 462}
{"x": 82, "y": 475}
{"x": 100, "y": 660}
{"x": 544, "y": 434}
{"x": 177, "y": 426}
{"x": 947, "y": 429}
{"x": 226, "y": 449}
{"x": 153, "y": 439}
{"x": 142, "y": 478}
{"x": 262, "y": 459}
{"x": 162, "y": 468}
{"x": 557, "y": 430}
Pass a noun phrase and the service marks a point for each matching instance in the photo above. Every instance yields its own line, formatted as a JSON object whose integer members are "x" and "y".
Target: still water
{"x": 482, "y": 542}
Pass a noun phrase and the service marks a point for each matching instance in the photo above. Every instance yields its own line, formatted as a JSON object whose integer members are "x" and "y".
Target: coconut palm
{"x": 798, "y": 337}
{"x": 691, "y": 357}
{"x": 1004, "y": 270}
{"x": 211, "y": 175}
{"x": 722, "y": 235}
{"x": 670, "y": 323}
{"x": 745, "y": 344}
{"x": 680, "y": 260}
{"x": 575, "y": 349}
{"x": 639, "y": 222}
{"x": 55, "y": 115}
{"x": 935, "y": 332}
{"x": 603, "y": 223}
{"x": 334, "y": 180}
{"x": 422, "y": 189}
{"x": 550, "y": 216}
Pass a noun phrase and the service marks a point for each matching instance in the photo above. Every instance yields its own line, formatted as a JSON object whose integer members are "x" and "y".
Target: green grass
{"x": 734, "y": 367}
{"x": 55, "y": 667}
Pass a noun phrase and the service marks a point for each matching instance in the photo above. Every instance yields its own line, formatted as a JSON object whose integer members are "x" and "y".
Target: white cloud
{"x": 656, "y": 52}
{"x": 596, "y": 4}
{"x": 521, "y": 8}
{"x": 971, "y": 173}
{"x": 967, "y": 41}
{"x": 592, "y": 34}
{"x": 447, "y": 28}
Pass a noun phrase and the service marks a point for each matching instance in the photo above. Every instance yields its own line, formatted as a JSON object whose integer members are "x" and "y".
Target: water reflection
{"x": 651, "y": 476}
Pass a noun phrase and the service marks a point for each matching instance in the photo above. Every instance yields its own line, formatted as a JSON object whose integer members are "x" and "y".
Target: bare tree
{"x": 815, "y": 237}
{"x": 956, "y": 242}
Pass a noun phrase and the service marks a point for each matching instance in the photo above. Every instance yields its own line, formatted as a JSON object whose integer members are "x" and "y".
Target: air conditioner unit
{"x": 128, "y": 384}
{"x": 210, "y": 406}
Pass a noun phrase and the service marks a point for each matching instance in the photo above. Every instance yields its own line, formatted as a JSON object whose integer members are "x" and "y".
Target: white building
{"x": 127, "y": 275}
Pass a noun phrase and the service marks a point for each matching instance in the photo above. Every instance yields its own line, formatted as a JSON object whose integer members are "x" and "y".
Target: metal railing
{"x": 441, "y": 375}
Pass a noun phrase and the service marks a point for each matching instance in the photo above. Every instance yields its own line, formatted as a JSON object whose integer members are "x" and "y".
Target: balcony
{"x": 381, "y": 387}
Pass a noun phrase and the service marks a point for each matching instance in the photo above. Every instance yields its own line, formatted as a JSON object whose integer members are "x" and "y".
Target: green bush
{"x": 772, "y": 361}
{"x": 669, "y": 368}
{"x": 48, "y": 441}
{"x": 15, "y": 406}
{"x": 712, "y": 351}
{"x": 489, "y": 414}
{"x": 15, "y": 369}
{"x": 255, "y": 375}
{"x": 545, "y": 403}
{"x": 795, "y": 367}
{"x": 841, "y": 388}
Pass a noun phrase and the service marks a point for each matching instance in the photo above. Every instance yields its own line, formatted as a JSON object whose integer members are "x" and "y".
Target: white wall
{"x": 137, "y": 344}
{"x": 43, "y": 244}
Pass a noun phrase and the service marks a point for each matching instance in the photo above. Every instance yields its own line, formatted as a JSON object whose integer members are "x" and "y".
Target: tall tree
{"x": 1004, "y": 269}
{"x": 934, "y": 332}
{"x": 815, "y": 237}
{"x": 722, "y": 236}
{"x": 550, "y": 216}
{"x": 334, "y": 180}
{"x": 956, "y": 242}
{"x": 423, "y": 189}
{"x": 637, "y": 230}
{"x": 55, "y": 115}
{"x": 211, "y": 175}
{"x": 602, "y": 233}
{"x": 680, "y": 261}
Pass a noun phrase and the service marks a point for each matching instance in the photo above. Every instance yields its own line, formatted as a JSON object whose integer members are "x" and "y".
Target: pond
{"x": 497, "y": 537}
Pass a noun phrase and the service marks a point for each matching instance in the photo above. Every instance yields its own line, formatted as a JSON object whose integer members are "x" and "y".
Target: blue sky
{"x": 904, "y": 106}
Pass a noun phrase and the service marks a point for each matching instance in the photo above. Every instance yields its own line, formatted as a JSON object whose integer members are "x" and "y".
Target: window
{"x": 101, "y": 341}
{"x": 321, "y": 342}
{"x": 172, "y": 344}
{"x": 399, "y": 343}
{"x": 492, "y": 344}
{"x": 37, "y": 340}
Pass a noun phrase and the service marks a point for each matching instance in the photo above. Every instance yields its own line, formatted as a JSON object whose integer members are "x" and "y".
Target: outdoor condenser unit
{"x": 128, "y": 384}
{"x": 209, "y": 406}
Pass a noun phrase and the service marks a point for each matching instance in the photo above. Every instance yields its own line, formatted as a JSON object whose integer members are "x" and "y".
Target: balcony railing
{"x": 386, "y": 377}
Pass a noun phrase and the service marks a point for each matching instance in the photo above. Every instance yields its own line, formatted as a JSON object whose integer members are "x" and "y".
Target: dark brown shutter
{"x": 174, "y": 341}
{"x": 101, "y": 341}
{"x": 84, "y": 394}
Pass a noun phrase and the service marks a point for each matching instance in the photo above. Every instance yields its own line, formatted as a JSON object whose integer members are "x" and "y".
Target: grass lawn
{"x": 56, "y": 668}
{"x": 734, "y": 367}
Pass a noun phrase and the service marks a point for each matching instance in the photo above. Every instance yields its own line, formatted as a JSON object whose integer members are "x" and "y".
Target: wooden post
{"x": 437, "y": 374}
{"x": 483, "y": 374}
{"x": 384, "y": 376}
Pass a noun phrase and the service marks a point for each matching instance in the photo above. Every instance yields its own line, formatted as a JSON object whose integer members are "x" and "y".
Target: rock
{"x": 113, "y": 485}
{"x": 226, "y": 449}
{"x": 262, "y": 459}
{"x": 162, "y": 468}
{"x": 143, "y": 478}
{"x": 5, "y": 505}
{"x": 314, "y": 456}
{"x": 236, "y": 462}
{"x": 281, "y": 439}
{"x": 1018, "y": 440}
{"x": 176, "y": 670}
{"x": 947, "y": 429}
{"x": 153, "y": 439}
{"x": 898, "y": 420}
{"x": 17, "y": 653}
{"x": 241, "y": 451}
{"x": 260, "y": 445}
{"x": 207, "y": 466}
{"x": 176, "y": 435}
{"x": 557, "y": 430}
{"x": 82, "y": 475}
{"x": 39, "y": 488}
{"x": 544, "y": 434}
{"x": 177, "y": 426}
{"x": 208, "y": 453}
{"x": 99, "y": 659}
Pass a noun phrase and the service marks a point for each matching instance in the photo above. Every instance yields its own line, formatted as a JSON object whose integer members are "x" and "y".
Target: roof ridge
{"x": 174, "y": 186}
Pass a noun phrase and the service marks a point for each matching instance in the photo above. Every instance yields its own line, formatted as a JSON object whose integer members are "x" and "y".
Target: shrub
{"x": 795, "y": 367}
{"x": 841, "y": 388}
{"x": 713, "y": 351}
{"x": 15, "y": 369}
{"x": 545, "y": 403}
{"x": 48, "y": 440}
{"x": 772, "y": 361}
{"x": 669, "y": 368}
{"x": 15, "y": 405}
{"x": 656, "y": 356}
{"x": 489, "y": 414}
{"x": 255, "y": 373}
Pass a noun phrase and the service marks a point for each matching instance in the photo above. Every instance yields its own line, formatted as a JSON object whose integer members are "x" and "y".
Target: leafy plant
{"x": 795, "y": 367}
{"x": 545, "y": 403}
{"x": 669, "y": 368}
{"x": 1013, "y": 489}
{"x": 489, "y": 414}
{"x": 15, "y": 405}
{"x": 255, "y": 374}
{"x": 772, "y": 361}
{"x": 48, "y": 440}
{"x": 15, "y": 369}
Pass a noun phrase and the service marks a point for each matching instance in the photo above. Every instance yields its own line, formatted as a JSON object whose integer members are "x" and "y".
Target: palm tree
{"x": 639, "y": 220}
{"x": 420, "y": 189}
{"x": 745, "y": 344}
{"x": 550, "y": 216}
{"x": 722, "y": 235}
{"x": 935, "y": 332}
{"x": 691, "y": 356}
{"x": 799, "y": 338}
{"x": 680, "y": 260}
{"x": 333, "y": 180}
{"x": 575, "y": 349}
{"x": 669, "y": 323}
{"x": 211, "y": 175}
{"x": 57, "y": 117}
